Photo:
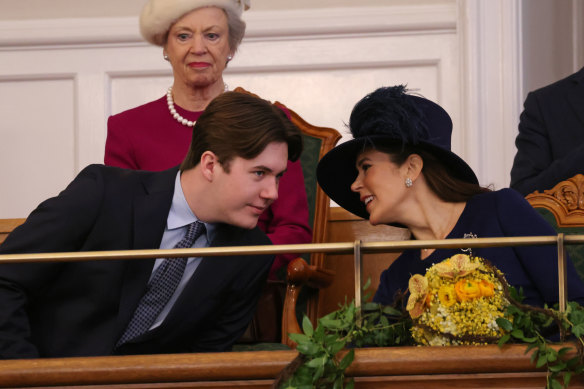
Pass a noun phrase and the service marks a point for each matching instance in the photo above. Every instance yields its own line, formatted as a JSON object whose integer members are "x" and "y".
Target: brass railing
{"x": 357, "y": 248}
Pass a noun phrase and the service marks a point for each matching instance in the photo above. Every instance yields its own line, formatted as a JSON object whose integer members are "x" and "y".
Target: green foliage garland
{"x": 323, "y": 358}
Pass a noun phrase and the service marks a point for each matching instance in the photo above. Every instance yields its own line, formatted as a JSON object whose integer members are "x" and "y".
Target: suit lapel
{"x": 152, "y": 201}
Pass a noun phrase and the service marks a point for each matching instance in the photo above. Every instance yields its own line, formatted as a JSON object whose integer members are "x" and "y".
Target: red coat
{"x": 149, "y": 138}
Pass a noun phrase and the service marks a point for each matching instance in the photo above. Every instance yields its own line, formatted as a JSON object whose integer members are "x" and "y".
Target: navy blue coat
{"x": 495, "y": 214}
{"x": 550, "y": 143}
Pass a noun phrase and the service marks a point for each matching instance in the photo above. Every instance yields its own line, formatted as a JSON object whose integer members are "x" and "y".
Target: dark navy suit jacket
{"x": 534, "y": 269}
{"x": 82, "y": 308}
{"x": 550, "y": 144}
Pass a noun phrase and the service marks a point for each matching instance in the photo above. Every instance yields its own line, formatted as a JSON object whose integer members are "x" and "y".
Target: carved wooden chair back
{"x": 563, "y": 207}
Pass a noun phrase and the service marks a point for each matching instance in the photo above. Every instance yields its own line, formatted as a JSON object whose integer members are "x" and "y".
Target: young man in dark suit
{"x": 239, "y": 150}
{"x": 550, "y": 143}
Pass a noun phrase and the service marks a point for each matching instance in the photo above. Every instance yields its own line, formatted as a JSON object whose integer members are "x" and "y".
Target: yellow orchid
{"x": 456, "y": 266}
{"x": 418, "y": 287}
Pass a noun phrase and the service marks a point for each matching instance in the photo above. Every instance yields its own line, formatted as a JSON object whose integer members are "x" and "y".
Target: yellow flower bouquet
{"x": 457, "y": 301}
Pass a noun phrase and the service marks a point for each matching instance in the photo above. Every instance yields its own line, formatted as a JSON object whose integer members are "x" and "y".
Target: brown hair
{"x": 240, "y": 125}
{"x": 439, "y": 178}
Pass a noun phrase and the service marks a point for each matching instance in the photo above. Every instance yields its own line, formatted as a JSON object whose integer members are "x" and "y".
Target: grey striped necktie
{"x": 161, "y": 287}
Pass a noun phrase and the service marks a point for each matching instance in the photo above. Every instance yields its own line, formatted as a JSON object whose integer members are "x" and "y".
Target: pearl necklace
{"x": 176, "y": 115}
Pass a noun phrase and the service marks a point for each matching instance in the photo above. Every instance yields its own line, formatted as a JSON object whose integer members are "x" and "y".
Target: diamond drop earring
{"x": 409, "y": 182}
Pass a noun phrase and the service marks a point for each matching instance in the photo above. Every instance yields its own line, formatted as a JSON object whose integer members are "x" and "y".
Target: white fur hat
{"x": 158, "y": 15}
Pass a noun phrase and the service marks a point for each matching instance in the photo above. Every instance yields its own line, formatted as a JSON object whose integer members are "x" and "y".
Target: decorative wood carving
{"x": 565, "y": 201}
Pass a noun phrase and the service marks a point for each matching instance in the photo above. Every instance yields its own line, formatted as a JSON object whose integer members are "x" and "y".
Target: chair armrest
{"x": 300, "y": 273}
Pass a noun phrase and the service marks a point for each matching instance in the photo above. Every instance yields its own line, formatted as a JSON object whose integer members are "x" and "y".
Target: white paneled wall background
{"x": 61, "y": 79}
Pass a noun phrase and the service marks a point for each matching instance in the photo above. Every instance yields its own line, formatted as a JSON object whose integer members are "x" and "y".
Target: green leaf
{"x": 541, "y": 361}
{"x": 517, "y": 333}
{"x": 529, "y": 340}
{"x": 558, "y": 367}
{"x": 531, "y": 347}
{"x": 504, "y": 339}
{"x": 383, "y": 321}
{"x": 534, "y": 356}
{"x": 578, "y": 330}
{"x": 336, "y": 347}
{"x": 567, "y": 378}
{"x": 328, "y": 323}
{"x": 552, "y": 356}
{"x": 504, "y": 324}
{"x": 564, "y": 350}
{"x": 556, "y": 384}
{"x": 370, "y": 306}
{"x": 318, "y": 373}
{"x": 391, "y": 311}
{"x": 350, "y": 384}
{"x": 307, "y": 348}
{"x": 307, "y": 326}
{"x": 347, "y": 360}
{"x": 299, "y": 338}
{"x": 316, "y": 362}
{"x": 319, "y": 332}
{"x": 367, "y": 284}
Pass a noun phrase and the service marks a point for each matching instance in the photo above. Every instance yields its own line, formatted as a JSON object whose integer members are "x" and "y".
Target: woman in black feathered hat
{"x": 399, "y": 170}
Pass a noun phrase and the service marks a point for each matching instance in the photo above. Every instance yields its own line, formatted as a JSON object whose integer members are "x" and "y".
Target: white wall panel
{"x": 37, "y": 138}
{"x": 317, "y": 62}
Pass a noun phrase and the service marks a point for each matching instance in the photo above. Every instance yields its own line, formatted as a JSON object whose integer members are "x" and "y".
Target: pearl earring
{"x": 229, "y": 58}
{"x": 165, "y": 56}
{"x": 409, "y": 182}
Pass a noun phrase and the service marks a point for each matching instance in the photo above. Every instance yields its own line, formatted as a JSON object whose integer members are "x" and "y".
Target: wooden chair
{"x": 563, "y": 207}
{"x": 7, "y": 225}
{"x": 317, "y": 142}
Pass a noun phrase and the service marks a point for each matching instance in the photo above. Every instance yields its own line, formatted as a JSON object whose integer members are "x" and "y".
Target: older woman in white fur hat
{"x": 198, "y": 39}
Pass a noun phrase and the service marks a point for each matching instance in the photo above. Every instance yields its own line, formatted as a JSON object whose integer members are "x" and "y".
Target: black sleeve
{"x": 59, "y": 224}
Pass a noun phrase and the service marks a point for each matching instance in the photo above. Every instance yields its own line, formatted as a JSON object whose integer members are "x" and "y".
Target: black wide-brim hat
{"x": 388, "y": 117}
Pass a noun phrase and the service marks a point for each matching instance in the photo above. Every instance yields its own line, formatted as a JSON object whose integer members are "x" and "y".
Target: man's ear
{"x": 209, "y": 165}
{"x": 414, "y": 164}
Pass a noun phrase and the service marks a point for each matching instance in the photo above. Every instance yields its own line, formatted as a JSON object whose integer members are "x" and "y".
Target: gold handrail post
{"x": 358, "y": 264}
{"x": 562, "y": 275}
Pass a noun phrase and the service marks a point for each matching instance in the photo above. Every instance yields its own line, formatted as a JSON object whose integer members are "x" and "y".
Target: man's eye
{"x": 259, "y": 173}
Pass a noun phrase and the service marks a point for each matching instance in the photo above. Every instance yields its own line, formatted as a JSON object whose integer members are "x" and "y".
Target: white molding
{"x": 20, "y": 34}
{"x": 291, "y": 24}
{"x": 354, "y": 20}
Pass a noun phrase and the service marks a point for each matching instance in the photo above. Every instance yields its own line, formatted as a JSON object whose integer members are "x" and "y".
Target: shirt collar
{"x": 180, "y": 213}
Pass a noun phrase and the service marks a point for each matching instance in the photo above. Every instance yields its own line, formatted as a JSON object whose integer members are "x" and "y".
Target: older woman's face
{"x": 380, "y": 184}
{"x": 198, "y": 46}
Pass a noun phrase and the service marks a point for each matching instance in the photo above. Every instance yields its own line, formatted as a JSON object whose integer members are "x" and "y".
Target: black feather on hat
{"x": 388, "y": 116}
